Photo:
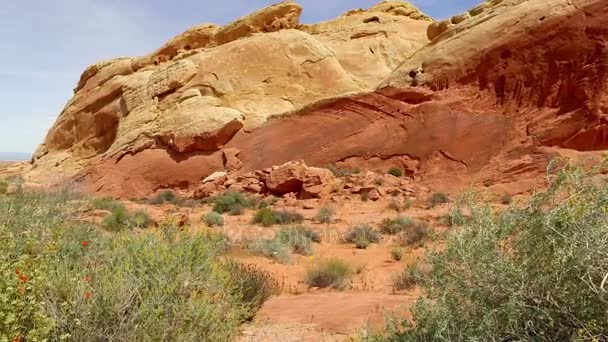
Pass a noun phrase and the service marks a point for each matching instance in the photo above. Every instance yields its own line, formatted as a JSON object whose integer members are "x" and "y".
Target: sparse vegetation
{"x": 393, "y": 226}
{"x": 141, "y": 219}
{"x": 438, "y": 198}
{"x": 533, "y": 273}
{"x": 213, "y": 219}
{"x": 288, "y": 240}
{"x": 165, "y": 196}
{"x": 342, "y": 172}
{"x": 333, "y": 273}
{"x": 268, "y": 217}
{"x": 62, "y": 279}
{"x": 118, "y": 220}
{"x": 3, "y": 187}
{"x": 325, "y": 215}
{"x": 397, "y": 253}
{"x": 231, "y": 202}
{"x": 267, "y": 202}
{"x": 362, "y": 236}
{"x": 415, "y": 234}
{"x": 506, "y": 199}
{"x": 399, "y": 206}
{"x": 411, "y": 276}
{"x": 395, "y": 171}
{"x": 106, "y": 203}
{"x": 364, "y": 196}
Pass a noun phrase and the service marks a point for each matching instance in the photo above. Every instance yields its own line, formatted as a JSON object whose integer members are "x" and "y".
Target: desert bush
{"x": 415, "y": 234}
{"x": 213, "y": 219}
{"x": 299, "y": 238}
{"x": 333, "y": 273}
{"x": 506, "y": 199}
{"x": 395, "y": 171}
{"x": 325, "y": 215}
{"x": 267, "y": 202}
{"x": 532, "y": 273}
{"x": 397, "y": 253}
{"x": 118, "y": 220}
{"x": 396, "y": 225}
{"x": 268, "y": 217}
{"x": 141, "y": 219}
{"x": 362, "y": 236}
{"x": 106, "y": 203}
{"x": 342, "y": 172}
{"x": 288, "y": 240}
{"x": 274, "y": 249}
{"x": 165, "y": 196}
{"x": 232, "y": 202}
{"x": 411, "y": 276}
{"x": 3, "y": 187}
{"x": 438, "y": 198}
{"x": 61, "y": 279}
{"x": 253, "y": 285}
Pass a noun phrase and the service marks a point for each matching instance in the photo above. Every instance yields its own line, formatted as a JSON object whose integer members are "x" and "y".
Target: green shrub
{"x": 307, "y": 232}
{"x": 415, "y": 235}
{"x": 213, "y": 219}
{"x": 342, "y": 172}
{"x": 253, "y": 285}
{"x": 298, "y": 238}
{"x": 534, "y": 273}
{"x": 61, "y": 279}
{"x": 3, "y": 187}
{"x": 106, "y": 203}
{"x": 333, "y": 273}
{"x": 396, "y": 225}
{"x": 438, "y": 198}
{"x": 455, "y": 217}
{"x": 362, "y": 236}
{"x": 268, "y": 217}
{"x": 395, "y": 171}
{"x": 232, "y": 202}
{"x": 118, "y": 220}
{"x": 141, "y": 219}
{"x": 267, "y": 202}
{"x": 397, "y": 254}
{"x": 274, "y": 249}
{"x": 166, "y": 196}
{"x": 325, "y": 215}
{"x": 411, "y": 276}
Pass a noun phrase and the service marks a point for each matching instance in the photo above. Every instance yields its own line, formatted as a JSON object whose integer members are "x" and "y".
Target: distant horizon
{"x": 14, "y": 156}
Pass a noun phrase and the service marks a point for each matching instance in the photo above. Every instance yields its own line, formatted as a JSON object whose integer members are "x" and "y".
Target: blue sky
{"x": 46, "y": 44}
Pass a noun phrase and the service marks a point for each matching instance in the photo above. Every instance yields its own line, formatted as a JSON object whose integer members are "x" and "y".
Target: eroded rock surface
{"x": 486, "y": 97}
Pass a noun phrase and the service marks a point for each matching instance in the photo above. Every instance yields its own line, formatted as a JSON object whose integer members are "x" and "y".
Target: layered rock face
{"x": 488, "y": 96}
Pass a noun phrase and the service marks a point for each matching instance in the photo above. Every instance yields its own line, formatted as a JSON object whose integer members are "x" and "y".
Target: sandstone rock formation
{"x": 490, "y": 97}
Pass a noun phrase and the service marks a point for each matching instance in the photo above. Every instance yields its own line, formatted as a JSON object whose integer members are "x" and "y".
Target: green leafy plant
{"x": 438, "y": 198}
{"x": 362, "y": 236}
{"x": 232, "y": 202}
{"x": 268, "y": 217}
{"x": 213, "y": 219}
{"x": 411, "y": 276}
{"x": 118, "y": 220}
{"x": 506, "y": 199}
{"x": 333, "y": 273}
{"x": 397, "y": 253}
{"x": 63, "y": 279}
{"x": 415, "y": 235}
{"x": 393, "y": 226}
{"x": 530, "y": 273}
{"x": 141, "y": 219}
{"x": 3, "y": 187}
{"x": 342, "y": 172}
{"x": 325, "y": 215}
{"x": 165, "y": 196}
{"x": 106, "y": 203}
{"x": 395, "y": 171}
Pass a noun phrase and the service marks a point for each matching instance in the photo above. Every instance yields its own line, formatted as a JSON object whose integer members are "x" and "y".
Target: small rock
{"x": 374, "y": 195}
{"x": 215, "y": 176}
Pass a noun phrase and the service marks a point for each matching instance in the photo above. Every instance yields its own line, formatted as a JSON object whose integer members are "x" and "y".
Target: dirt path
{"x": 324, "y": 316}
